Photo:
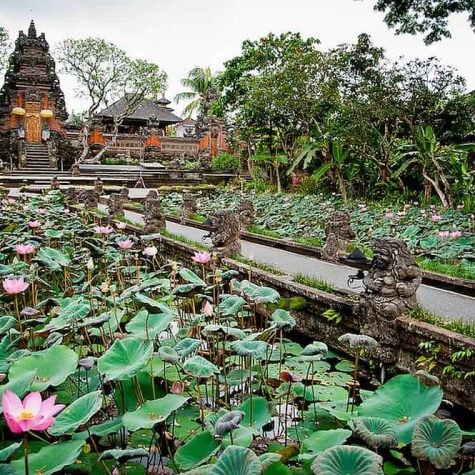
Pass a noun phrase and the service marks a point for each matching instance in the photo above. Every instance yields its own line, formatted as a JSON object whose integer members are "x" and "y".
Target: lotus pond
{"x": 126, "y": 362}
{"x": 442, "y": 239}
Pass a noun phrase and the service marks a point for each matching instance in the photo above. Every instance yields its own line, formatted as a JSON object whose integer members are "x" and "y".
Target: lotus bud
{"x": 15, "y": 261}
{"x": 105, "y": 287}
{"x": 90, "y": 264}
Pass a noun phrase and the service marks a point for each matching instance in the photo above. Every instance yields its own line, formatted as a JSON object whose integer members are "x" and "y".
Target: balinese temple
{"x": 31, "y": 95}
{"x": 32, "y": 107}
{"x": 148, "y": 110}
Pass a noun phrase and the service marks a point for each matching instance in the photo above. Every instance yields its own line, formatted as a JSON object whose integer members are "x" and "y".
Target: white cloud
{"x": 180, "y": 34}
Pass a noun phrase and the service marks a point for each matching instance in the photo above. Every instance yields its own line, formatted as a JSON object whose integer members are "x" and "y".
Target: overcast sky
{"x": 181, "y": 34}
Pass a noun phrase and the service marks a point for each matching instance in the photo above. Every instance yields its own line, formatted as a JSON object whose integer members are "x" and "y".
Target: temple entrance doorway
{"x": 33, "y": 122}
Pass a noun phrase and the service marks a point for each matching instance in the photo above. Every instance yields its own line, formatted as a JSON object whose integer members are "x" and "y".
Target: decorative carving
{"x": 338, "y": 234}
{"x": 153, "y": 215}
{"x": 391, "y": 286}
{"x": 247, "y": 212}
{"x": 225, "y": 232}
{"x": 75, "y": 171}
{"x": 189, "y": 206}
{"x": 72, "y": 196}
{"x": 90, "y": 198}
{"x": 116, "y": 202}
{"x": 55, "y": 183}
{"x": 99, "y": 186}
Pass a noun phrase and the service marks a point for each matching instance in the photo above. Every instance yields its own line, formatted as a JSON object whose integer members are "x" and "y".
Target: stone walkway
{"x": 444, "y": 303}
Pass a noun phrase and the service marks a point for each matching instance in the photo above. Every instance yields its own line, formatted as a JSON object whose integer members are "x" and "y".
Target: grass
{"x": 308, "y": 241}
{"x": 457, "y": 326}
{"x": 198, "y": 217}
{"x": 259, "y": 265}
{"x": 183, "y": 239}
{"x": 263, "y": 231}
{"x": 313, "y": 282}
{"x": 453, "y": 270}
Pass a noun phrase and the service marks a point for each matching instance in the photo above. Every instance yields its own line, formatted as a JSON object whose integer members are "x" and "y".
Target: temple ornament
{"x": 338, "y": 234}
{"x": 153, "y": 215}
{"x": 225, "y": 232}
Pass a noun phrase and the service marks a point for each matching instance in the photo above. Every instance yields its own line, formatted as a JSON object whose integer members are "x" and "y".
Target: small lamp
{"x": 357, "y": 259}
{"x": 18, "y": 111}
{"x": 46, "y": 113}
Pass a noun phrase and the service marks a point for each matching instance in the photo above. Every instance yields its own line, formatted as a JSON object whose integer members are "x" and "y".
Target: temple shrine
{"x": 36, "y": 137}
{"x": 32, "y": 106}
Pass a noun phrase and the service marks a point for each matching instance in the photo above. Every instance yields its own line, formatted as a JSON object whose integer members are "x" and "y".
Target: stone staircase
{"x": 37, "y": 160}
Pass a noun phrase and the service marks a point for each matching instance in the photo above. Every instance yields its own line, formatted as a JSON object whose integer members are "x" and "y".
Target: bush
{"x": 225, "y": 162}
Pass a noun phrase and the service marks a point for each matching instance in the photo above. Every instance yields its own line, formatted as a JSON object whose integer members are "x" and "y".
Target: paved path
{"x": 444, "y": 303}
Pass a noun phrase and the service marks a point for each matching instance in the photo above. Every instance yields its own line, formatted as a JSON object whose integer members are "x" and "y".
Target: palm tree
{"x": 199, "y": 82}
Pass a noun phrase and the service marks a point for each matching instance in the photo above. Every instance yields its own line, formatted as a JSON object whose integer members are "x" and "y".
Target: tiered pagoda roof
{"x": 31, "y": 76}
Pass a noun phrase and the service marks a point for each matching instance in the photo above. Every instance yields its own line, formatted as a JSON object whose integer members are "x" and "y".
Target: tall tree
{"x": 199, "y": 82}
{"x": 424, "y": 16}
{"x": 278, "y": 87}
{"x": 105, "y": 74}
{"x": 4, "y": 47}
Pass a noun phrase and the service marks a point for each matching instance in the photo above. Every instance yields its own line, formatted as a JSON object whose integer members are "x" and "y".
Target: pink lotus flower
{"x": 202, "y": 257}
{"x": 401, "y": 213}
{"x": 31, "y": 414}
{"x": 34, "y": 224}
{"x": 66, "y": 211}
{"x": 455, "y": 234}
{"x": 150, "y": 251}
{"x": 389, "y": 215}
{"x": 24, "y": 249}
{"x": 105, "y": 230}
{"x": 120, "y": 225}
{"x": 423, "y": 211}
{"x": 460, "y": 206}
{"x": 436, "y": 218}
{"x": 443, "y": 234}
{"x": 432, "y": 206}
{"x": 41, "y": 210}
{"x": 15, "y": 286}
{"x": 208, "y": 309}
{"x": 125, "y": 244}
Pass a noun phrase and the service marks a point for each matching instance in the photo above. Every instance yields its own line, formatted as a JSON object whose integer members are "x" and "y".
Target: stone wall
{"x": 311, "y": 324}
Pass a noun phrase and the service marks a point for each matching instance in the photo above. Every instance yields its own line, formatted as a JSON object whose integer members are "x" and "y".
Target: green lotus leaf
{"x": 232, "y": 331}
{"x": 403, "y": 400}
{"x": 151, "y": 305}
{"x": 436, "y": 440}
{"x": 52, "y": 367}
{"x": 228, "y": 422}
{"x": 191, "y": 277}
{"x": 199, "y": 367}
{"x": 50, "y": 459}
{"x": 52, "y": 258}
{"x": 283, "y": 320}
{"x": 314, "y": 351}
{"x": 375, "y": 432}
{"x": 73, "y": 311}
{"x": 187, "y": 346}
{"x": 110, "y": 426}
{"x": 237, "y": 461}
{"x": 264, "y": 295}
{"x": 125, "y": 358}
{"x": 260, "y": 412}
{"x": 152, "y": 412}
{"x": 76, "y": 414}
{"x": 149, "y": 326}
{"x": 357, "y": 341}
{"x": 196, "y": 451}
{"x": 122, "y": 455}
{"x": 255, "y": 349}
{"x": 6, "y": 323}
{"x": 8, "y": 451}
{"x": 230, "y": 305}
{"x": 321, "y": 440}
{"x": 347, "y": 459}
{"x": 268, "y": 459}
{"x": 168, "y": 354}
